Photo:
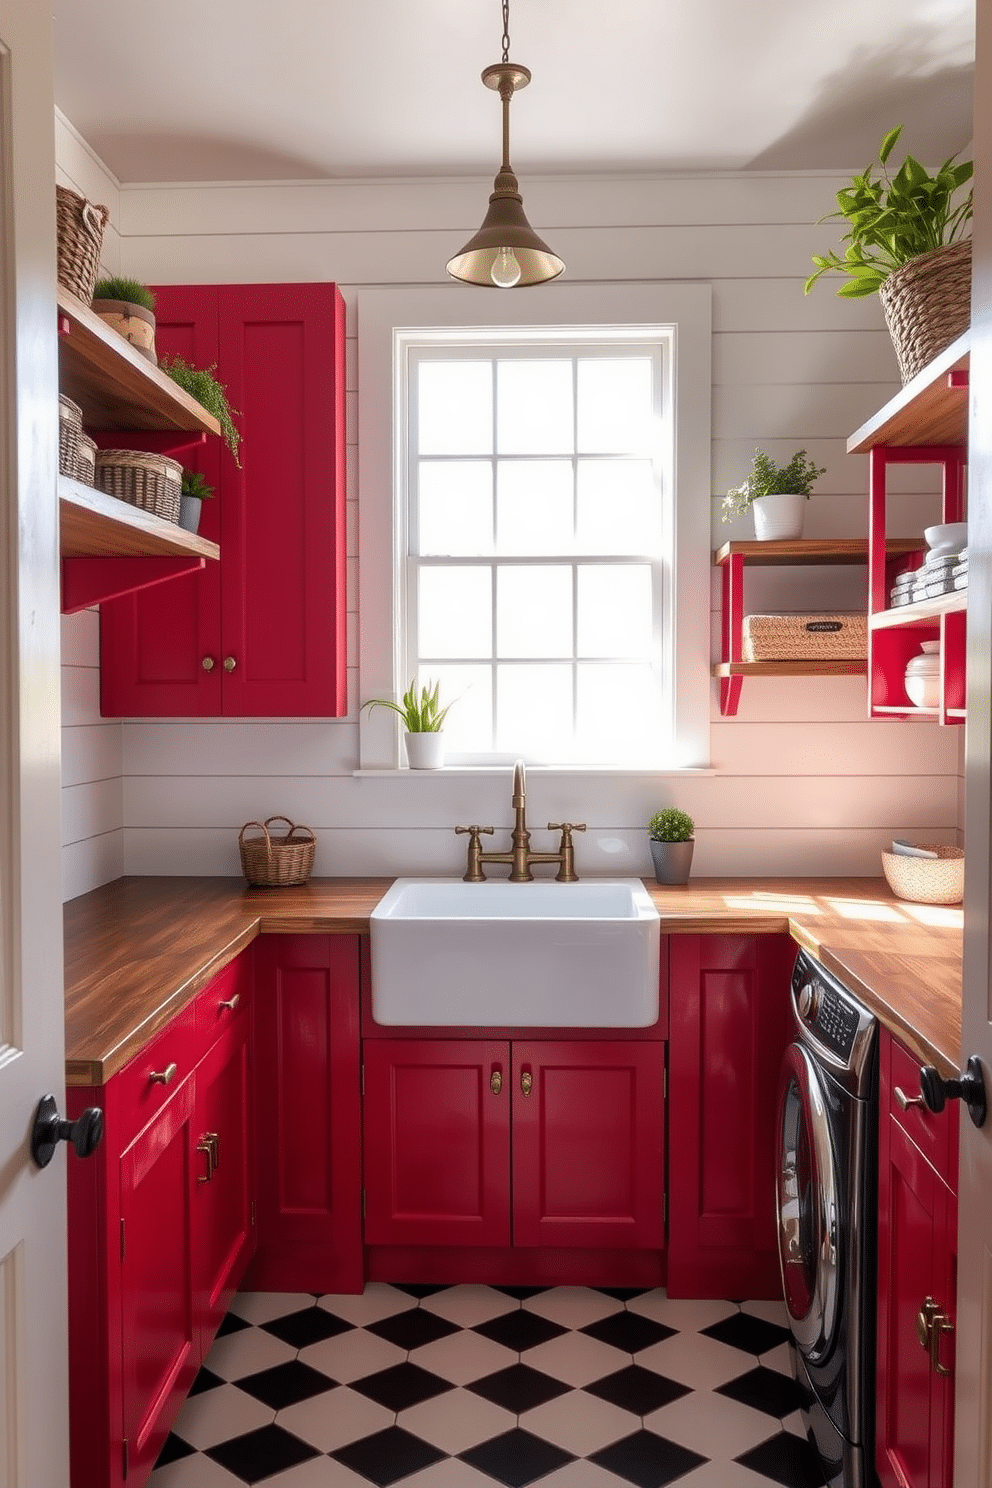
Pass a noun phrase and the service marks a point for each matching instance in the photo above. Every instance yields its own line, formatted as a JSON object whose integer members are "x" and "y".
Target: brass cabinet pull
{"x": 906, "y": 1102}
{"x": 206, "y": 1146}
{"x": 931, "y": 1325}
{"x": 214, "y": 1141}
{"x": 924, "y": 1323}
{"x": 231, "y": 1002}
{"x": 208, "y": 663}
{"x": 526, "y": 1081}
{"x": 164, "y": 1077}
{"x": 495, "y": 1082}
{"x": 229, "y": 663}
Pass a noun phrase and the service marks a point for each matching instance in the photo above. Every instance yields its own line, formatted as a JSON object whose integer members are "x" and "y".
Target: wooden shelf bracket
{"x": 88, "y": 581}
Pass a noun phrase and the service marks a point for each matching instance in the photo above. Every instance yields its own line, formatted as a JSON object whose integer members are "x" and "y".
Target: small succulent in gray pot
{"x": 670, "y": 832}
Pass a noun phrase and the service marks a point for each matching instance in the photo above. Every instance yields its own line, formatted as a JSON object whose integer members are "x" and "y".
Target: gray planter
{"x": 672, "y": 860}
{"x": 189, "y": 513}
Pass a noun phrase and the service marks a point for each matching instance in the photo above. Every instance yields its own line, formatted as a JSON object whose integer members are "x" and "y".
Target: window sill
{"x": 652, "y": 772}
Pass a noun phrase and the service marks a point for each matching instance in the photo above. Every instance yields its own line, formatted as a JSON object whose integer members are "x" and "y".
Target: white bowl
{"x": 949, "y": 537}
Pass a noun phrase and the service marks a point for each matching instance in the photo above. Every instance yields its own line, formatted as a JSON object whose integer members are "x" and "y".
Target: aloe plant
{"x": 421, "y": 714}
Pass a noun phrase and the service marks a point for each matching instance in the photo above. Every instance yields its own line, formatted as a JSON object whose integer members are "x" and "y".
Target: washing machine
{"x": 827, "y": 1191}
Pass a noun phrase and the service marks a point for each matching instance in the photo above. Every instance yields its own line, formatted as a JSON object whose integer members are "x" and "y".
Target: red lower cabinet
{"x": 730, "y": 1023}
{"x": 917, "y": 1279}
{"x": 477, "y": 1143}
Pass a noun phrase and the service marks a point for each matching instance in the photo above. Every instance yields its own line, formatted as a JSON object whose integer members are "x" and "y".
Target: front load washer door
{"x": 808, "y": 1214}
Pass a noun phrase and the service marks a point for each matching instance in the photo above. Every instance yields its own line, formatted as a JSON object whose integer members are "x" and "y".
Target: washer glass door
{"x": 808, "y": 1235}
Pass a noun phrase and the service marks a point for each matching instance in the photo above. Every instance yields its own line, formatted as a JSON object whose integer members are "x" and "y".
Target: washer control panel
{"x": 832, "y": 1019}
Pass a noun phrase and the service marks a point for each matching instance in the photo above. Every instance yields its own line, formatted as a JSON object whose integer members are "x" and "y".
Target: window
{"x": 538, "y": 539}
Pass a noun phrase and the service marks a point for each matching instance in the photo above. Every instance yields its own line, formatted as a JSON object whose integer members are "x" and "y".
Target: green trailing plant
{"x": 770, "y": 479}
{"x": 131, "y": 291}
{"x": 421, "y": 714}
{"x": 671, "y": 825}
{"x": 202, "y": 385}
{"x": 893, "y": 219}
{"x": 194, "y": 484}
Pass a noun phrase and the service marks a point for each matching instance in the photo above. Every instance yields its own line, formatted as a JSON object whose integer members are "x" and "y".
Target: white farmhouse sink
{"x": 454, "y": 954}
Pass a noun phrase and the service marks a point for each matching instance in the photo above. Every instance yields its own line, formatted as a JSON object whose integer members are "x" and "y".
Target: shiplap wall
{"x": 802, "y": 782}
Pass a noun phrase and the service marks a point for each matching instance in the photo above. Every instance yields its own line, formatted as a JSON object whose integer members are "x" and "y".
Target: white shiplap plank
{"x": 91, "y": 752}
{"x": 86, "y": 865}
{"x": 81, "y": 694}
{"x": 81, "y": 639}
{"x": 91, "y": 810}
{"x": 769, "y": 357}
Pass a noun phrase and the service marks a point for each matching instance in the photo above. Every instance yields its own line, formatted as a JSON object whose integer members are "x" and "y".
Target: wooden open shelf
{"x": 791, "y": 668}
{"x": 833, "y": 550}
{"x": 923, "y": 610}
{"x": 932, "y": 409}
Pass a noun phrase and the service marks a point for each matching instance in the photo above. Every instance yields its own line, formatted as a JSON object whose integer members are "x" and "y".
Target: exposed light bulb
{"x": 505, "y": 272}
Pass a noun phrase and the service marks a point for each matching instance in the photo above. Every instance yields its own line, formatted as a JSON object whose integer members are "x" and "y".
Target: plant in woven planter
{"x": 202, "y": 385}
{"x": 905, "y": 242}
{"x": 776, "y": 494}
{"x": 670, "y": 835}
{"x": 128, "y": 307}
{"x": 423, "y": 718}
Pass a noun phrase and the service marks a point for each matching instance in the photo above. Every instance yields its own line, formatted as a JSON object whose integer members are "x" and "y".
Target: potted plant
{"x": 670, "y": 833}
{"x": 776, "y": 494}
{"x": 905, "y": 241}
{"x": 128, "y": 306}
{"x": 193, "y": 493}
{"x": 202, "y": 385}
{"x": 423, "y": 717}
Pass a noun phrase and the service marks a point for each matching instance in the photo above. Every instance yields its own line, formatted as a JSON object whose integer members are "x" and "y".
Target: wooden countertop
{"x": 138, "y": 949}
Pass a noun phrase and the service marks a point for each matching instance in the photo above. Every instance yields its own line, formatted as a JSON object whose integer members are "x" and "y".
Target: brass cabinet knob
{"x": 164, "y": 1077}
{"x": 496, "y": 1082}
{"x": 906, "y": 1102}
{"x": 206, "y": 1146}
{"x": 231, "y": 1002}
{"x": 208, "y": 663}
{"x": 229, "y": 663}
{"x": 526, "y": 1081}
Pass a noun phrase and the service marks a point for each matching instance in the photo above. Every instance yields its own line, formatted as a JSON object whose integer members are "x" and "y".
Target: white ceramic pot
{"x": 779, "y": 517}
{"x": 922, "y": 676}
{"x": 425, "y": 751}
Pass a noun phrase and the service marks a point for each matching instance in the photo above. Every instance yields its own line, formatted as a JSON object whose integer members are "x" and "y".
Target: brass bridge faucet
{"x": 520, "y": 856}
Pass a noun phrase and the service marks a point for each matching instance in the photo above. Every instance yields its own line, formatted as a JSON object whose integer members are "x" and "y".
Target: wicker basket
{"x": 269, "y": 862}
{"x": 70, "y": 428}
{"x": 153, "y": 482}
{"x": 927, "y": 304}
{"x": 826, "y": 637}
{"x": 937, "y": 880}
{"x": 80, "y": 227}
{"x": 85, "y": 459}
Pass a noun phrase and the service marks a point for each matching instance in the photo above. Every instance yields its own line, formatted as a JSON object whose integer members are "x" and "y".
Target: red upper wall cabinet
{"x": 262, "y": 633}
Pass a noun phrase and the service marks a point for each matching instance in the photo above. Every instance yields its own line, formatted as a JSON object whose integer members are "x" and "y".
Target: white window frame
{"x": 388, "y": 320}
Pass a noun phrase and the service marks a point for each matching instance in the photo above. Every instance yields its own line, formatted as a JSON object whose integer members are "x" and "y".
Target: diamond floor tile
{"x": 388, "y": 1456}
{"x": 629, "y": 1331}
{"x": 638, "y": 1390}
{"x": 261, "y": 1454}
{"x": 765, "y": 1390}
{"x": 520, "y": 1330}
{"x": 516, "y": 1458}
{"x": 785, "y": 1459}
{"x": 752, "y": 1334}
{"x": 412, "y": 1329}
{"x": 402, "y": 1386}
{"x": 647, "y": 1460}
{"x": 286, "y": 1384}
{"x": 312, "y": 1325}
{"x": 518, "y": 1388}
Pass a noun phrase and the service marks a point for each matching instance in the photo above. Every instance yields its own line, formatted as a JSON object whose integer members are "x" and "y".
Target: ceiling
{"x": 328, "y": 89}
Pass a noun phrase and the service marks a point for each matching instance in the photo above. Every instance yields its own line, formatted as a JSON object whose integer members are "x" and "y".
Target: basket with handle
{"x": 79, "y": 226}
{"x": 927, "y": 304}
{"x": 276, "y": 862}
{"x": 151, "y": 481}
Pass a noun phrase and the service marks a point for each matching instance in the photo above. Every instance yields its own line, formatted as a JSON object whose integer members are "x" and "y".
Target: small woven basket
{"x": 269, "y": 862}
{"x": 70, "y": 429}
{"x": 153, "y": 482}
{"x": 80, "y": 226}
{"x": 830, "y": 636}
{"x": 937, "y": 880}
{"x": 85, "y": 459}
{"x": 927, "y": 304}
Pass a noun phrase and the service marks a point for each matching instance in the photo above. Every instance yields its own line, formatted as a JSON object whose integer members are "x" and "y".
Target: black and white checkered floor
{"x": 475, "y": 1386}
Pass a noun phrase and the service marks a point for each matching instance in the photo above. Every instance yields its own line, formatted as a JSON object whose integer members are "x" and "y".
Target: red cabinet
{"x": 730, "y": 1023}
{"x": 917, "y": 1280}
{"x": 262, "y": 633}
{"x": 492, "y": 1143}
{"x": 308, "y": 1121}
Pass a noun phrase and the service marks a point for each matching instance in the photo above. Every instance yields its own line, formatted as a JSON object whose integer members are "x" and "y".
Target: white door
{"x": 33, "y": 1382}
{"x": 973, "y": 1366}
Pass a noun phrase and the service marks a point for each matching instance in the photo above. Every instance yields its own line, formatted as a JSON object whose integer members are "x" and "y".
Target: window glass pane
{"x": 534, "y": 611}
{"x": 614, "y": 404}
{"x": 534, "y": 414}
{"x": 614, "y": 610}
{"x": 535, "y": 506}
{"x": 534, "y": 710}
{"x": 468, "y": 728}
{"x": 455, "y": 507}
{"x": 454, "y": 616}
{"x": 455, "y": 408}
{"x": 618, "y": 712}
{"x": 619, "y": 507}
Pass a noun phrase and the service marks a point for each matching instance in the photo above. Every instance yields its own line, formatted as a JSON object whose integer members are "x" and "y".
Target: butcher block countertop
{"x": 138, "y": 949}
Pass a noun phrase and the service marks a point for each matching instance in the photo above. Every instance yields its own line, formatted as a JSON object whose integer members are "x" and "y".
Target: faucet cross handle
{"x": 566, "y": 853}
{"x": 476, "y": 830}
{"x": 473, "y": 872}
{"x": 566, "y": 829}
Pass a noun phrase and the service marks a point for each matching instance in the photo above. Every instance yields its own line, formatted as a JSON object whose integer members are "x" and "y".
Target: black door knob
{"x": 969, "y": 1087}
{"x": 50, "y": 1129}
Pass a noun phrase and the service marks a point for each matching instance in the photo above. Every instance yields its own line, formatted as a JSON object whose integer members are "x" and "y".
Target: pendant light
{"x": 506, "y": 250}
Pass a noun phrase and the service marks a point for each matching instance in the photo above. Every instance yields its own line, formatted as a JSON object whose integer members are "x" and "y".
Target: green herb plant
{"x": 420, "y": 714}
{"x": 131, "y": 291}
{"x": 894, "y": 219}
{"x": 202, "y": 385}
{"x": 671, "y": 825}
{"x": 194, "y": 484}
{"x": 769, "y": 479}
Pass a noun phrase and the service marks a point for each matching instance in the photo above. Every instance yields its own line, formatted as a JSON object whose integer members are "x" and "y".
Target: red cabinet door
{"x": 307, "y": 1114}
{"x": 262, "y": 633}
{"x": 159, "y": 1343}
{"x": 224, "y": 1235}
{"x": 730, "y": 1023}
{"x": 437, "y": 1142}
{"x": 588, "y": 1144}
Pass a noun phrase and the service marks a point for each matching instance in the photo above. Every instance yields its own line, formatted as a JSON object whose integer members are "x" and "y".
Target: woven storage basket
{"x": 85, "y": 459}
{"x": 269, "y": 862}
{"x": 153, "y": 482}
{"x": 80, "y": 227}
{"x": 825, "y": 637}
{"x": 927, "y": 304}
{"x": 70, "y": 428}
{"x": 937, "y": 880}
